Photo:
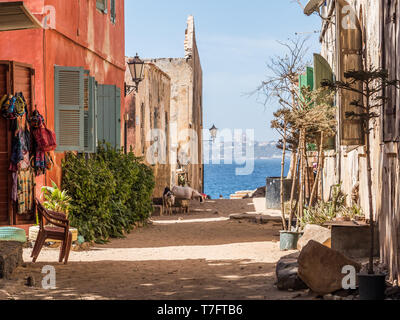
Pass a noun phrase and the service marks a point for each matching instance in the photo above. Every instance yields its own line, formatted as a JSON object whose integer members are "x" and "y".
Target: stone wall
{"x": 148, "y": 122}
{"x": 349, "y": 163}
{"x": 186, "y": 109}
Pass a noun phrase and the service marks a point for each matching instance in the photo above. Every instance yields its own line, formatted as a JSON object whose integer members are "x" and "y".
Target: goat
{"x": 168, "y": 201}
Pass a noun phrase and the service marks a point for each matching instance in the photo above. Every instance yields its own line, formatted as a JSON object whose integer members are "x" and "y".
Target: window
{"x": 74, "y": 110}
{"x": 109, "y": 114}
{"x": 113, "y": 14}
{"x": 102, "y": 5}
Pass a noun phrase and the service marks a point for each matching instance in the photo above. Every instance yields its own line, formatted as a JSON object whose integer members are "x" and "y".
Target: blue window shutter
{"x": 109, "y": 115}
{"x": 118, "y": 117}
{"x": 90, "y": 115}
{"x": 69, "y": 108}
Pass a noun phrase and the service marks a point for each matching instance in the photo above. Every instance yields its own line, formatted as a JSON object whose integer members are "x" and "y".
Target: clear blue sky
{"x": 235, "y": 39}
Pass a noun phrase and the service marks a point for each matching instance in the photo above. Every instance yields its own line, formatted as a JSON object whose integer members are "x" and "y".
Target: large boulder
{"x": 10, "y": 257}
{"x": 286, "y": 274}
{"x": 316, "y": 233}
{"x": 321, "y": 267}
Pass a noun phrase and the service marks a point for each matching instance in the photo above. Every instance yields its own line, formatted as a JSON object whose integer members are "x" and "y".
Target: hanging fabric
{"x": 26, "y": 184}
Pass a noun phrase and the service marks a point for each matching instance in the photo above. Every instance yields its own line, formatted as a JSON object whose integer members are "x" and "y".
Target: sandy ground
{"x": 178, "y": 257}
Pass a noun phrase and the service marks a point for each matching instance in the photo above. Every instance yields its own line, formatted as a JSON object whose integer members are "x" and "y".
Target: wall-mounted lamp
{"x": 136, "y": 68}
{"x": 213, "y": 132}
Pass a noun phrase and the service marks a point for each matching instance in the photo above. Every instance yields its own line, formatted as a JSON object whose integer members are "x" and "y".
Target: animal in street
{"x": 187, "y": 193}
{"x": 168, "y": 201}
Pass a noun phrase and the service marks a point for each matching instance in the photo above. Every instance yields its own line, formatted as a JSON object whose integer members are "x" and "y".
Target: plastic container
{"x": 289, "y": 239}
{"x": 12, "y": 234}
{"x": 372, "y": 286}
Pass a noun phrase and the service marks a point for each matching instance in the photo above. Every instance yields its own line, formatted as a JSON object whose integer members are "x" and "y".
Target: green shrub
{"x": 111, "y": 192}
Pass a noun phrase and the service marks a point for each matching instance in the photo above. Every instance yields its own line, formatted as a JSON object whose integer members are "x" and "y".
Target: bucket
{"x": 288, "y": 240}
{"x": 372, "y": 286}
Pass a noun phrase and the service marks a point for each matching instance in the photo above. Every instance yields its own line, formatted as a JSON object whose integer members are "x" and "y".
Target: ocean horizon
{"x": 221, "y": 179}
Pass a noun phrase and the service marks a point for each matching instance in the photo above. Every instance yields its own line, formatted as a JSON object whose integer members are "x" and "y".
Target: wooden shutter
{"x": 69, "y": 108}
{"x": 109, "y": 114}
{"x": 307, "y": 79}
{"x": 350, "y": 58}
{"x": 102, "y": 5}
{"x": 5, "y": 181}
{"x": 391, "y": 48}
{"x": 89, "y": 113}
{"x": 112, "y": 11}
{"x": 322, "y": 70}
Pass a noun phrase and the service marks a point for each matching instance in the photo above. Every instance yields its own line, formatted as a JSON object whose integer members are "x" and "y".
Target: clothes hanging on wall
{"x": 26, "y": 185}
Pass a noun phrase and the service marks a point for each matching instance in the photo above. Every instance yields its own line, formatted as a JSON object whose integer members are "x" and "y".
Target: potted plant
{"x": 56, "y": 200}
{"x": 369, "y": 86}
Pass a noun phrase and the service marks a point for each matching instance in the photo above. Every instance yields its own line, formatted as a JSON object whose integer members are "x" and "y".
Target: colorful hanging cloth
{"x": 26, "y": 185}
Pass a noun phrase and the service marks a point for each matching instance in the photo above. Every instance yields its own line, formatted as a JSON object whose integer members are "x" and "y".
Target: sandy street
{"x": 198, "y": 256}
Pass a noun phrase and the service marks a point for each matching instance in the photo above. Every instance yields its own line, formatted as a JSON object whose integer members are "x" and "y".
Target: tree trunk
{"x": 320, "y": 164}
{"x": 302, "y": 176}
{"x": 294, "y": 177}
{"x": 371, "y": 210}
{"x": 282, "y": 178}
{"x": 293, "y": 165}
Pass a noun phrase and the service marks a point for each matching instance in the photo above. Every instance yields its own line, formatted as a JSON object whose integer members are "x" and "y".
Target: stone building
{"x": 186, "y": 110}
{"x": 358, "y": 34}
{"x": 147, "y": 121}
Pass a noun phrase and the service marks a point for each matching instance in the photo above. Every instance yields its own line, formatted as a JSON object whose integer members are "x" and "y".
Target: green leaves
{"x": 56, "y": 200}
{"x": 111, "y": 192}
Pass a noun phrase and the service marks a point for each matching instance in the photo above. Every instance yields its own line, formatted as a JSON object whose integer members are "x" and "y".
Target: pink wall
{"x": 83, "y": 37}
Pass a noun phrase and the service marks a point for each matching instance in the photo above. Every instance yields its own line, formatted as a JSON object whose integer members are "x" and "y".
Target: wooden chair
{"x": 58, "y": 230}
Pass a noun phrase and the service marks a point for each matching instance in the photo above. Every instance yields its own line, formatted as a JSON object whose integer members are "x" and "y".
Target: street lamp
{"x": 213, "y": 132}
{"x": 136, "y": 68}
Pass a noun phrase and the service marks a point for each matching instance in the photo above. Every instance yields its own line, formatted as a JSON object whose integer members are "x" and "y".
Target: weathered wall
{"x": 349, "y": 167}
{"x": 148, "y": 127}
{"x": 83, "y": 37}
{"x": 186, "y": 108}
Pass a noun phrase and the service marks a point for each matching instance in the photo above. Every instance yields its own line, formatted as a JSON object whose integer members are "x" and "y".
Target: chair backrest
{"x": 56, "y": 218}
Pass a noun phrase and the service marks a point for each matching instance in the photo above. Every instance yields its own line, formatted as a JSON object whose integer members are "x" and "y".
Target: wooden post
{"x": 320, "y": 164}
{"x": 282, "y": 176}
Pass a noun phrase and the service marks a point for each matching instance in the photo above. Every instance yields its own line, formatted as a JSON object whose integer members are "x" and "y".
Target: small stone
{"x": 216, "y": 212}
{"x": 30, "y": 281}
{"x": 337, "y": 298}
{"x": 328, "y": 297}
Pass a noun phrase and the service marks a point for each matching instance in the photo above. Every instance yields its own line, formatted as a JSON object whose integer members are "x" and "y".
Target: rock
{"x": 30, "y": 281}
{"x": 321, "y": 267}
{"x": 316, "y": 233}
{"x": 286, "y": 274}
{"x": 10, "y": 257}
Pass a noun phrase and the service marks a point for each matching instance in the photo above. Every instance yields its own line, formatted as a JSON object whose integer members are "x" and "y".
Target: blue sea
{"x": 221, "y": 179}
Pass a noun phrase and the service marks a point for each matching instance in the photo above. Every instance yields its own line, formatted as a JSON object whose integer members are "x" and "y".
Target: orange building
{"x": 68, "y": 59}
